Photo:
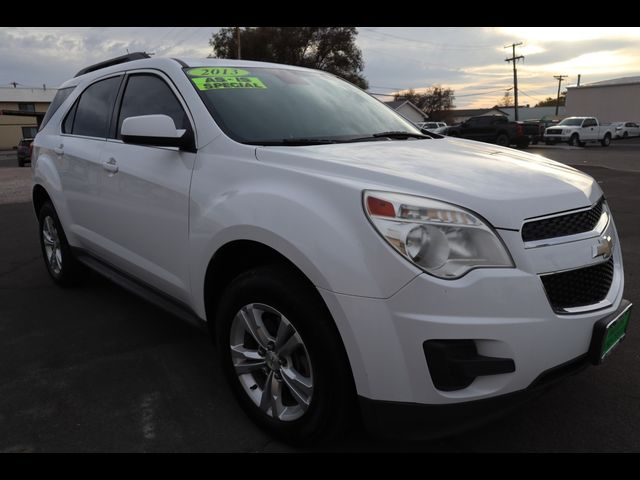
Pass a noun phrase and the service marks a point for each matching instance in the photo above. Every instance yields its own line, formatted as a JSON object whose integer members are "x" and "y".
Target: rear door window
{"x": 94, "y": 108}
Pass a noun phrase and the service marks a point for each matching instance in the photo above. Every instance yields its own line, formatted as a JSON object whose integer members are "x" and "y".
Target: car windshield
{"x": 273, "y": 106}
{"x": 571, "y": 121}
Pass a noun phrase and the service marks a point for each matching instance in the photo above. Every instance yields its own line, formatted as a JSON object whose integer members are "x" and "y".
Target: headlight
{"x": 442, "y": 239}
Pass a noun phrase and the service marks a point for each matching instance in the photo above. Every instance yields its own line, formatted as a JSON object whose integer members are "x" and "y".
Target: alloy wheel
{"x": 271, "y": 361}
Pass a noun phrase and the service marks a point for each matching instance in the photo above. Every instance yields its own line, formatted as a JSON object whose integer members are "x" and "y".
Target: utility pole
{"x": 515, "y": 59}
{"x": 238, "y": 43}
{"x": 559, "y": 78}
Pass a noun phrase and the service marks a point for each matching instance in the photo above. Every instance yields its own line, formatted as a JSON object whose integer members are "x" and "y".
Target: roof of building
{"x": 396, "y": 104}
{"x": 474, "y": 112}
{"x": 30, "y": 95}
{"x": 611, "y": 83}
{"x": 533, "y": 113}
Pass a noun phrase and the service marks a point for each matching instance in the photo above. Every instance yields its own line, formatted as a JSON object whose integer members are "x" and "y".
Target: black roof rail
{"x": 114, "y": 61}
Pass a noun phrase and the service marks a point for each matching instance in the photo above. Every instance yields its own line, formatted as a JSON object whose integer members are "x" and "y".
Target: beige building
{"x": 15, "y": 105}
{"x": 408, "y": 110}
{"x": 616, "y": 100}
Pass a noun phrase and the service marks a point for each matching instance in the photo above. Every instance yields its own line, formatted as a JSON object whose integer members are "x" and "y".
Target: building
{"x": 534, "y": 113}
{"x": 15, "y": 106}
{"x": 408, "y": 110}
{"x": 616, "y": 100}
{"x": 453, "y": 117}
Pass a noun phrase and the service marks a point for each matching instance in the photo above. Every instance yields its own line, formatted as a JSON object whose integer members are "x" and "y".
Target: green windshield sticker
{"x": 218, "y": 83}
{"x": 217, "y": 72}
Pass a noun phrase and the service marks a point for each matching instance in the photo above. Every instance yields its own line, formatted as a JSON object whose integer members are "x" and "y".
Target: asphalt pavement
{"x": 97, "y": 369}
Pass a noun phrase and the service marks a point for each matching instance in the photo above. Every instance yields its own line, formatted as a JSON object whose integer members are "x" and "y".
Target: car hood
{"x": 503, "y": 185}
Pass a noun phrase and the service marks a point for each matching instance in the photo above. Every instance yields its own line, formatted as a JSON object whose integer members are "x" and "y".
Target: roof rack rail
{"x": 114, "y": 61}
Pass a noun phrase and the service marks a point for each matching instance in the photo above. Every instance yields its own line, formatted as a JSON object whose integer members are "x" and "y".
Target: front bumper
{"x": 420, "y": 421}
{"x": 556, "y": 138}
{"x": 504, "y": 312}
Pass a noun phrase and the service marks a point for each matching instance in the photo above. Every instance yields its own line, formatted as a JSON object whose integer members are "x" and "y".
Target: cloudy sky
{"x": 469, "y": 60}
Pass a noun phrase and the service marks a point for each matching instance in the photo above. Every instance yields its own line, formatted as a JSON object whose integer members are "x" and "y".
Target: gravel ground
{"x": 15, "y": 185}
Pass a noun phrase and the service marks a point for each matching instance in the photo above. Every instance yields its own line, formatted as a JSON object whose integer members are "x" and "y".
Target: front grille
{"x": 580, "y": 287}
{"x": 563, "y": 225}
{"x": 554, "y": 132}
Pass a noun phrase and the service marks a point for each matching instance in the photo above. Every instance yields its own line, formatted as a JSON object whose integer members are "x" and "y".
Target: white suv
{"x": 344, "y": 262}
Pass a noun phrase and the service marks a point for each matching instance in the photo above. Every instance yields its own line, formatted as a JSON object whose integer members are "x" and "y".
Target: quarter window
{"x": 93, "y": 110}
{"x": 150, "y": 95}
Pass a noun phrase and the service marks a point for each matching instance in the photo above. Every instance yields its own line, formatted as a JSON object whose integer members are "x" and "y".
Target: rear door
{"x": 84, "y": 133}
{"x": 146, "y": 190}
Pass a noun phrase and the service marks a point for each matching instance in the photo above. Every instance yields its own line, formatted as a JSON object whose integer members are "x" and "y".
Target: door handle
{"x": 59, "y": 150}
{"x": 111, "y": 165}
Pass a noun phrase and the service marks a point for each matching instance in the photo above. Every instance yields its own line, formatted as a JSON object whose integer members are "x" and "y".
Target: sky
{"x": 470, "y": 60}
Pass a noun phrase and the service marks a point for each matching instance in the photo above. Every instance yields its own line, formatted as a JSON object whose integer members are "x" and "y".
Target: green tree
{"x": 331, "y": 49}
{"x": 551, "y": 101}
{"x": 434, "y": 100}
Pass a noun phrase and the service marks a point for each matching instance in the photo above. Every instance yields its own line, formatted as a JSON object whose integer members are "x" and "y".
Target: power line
{"x": 426, "y": 42}
{"x": 515, "y": 59}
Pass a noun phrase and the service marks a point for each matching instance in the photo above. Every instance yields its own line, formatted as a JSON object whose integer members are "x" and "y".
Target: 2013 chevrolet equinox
{"x": 343, "y": 261}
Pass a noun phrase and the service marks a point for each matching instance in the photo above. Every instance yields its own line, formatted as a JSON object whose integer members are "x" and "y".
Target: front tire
{"x": 606, "y": 141}
{"x": 502, "y": 140}
{"x": 574, "y": 141}
{"x": 283, "y": 357}
{"x": 63, "y": 268}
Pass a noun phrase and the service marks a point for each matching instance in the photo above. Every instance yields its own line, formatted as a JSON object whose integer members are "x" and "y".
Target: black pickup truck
{"x": 493, "y": 129}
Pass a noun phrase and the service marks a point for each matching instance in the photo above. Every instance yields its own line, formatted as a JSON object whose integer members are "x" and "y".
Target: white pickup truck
{"x": 577, "y": 131}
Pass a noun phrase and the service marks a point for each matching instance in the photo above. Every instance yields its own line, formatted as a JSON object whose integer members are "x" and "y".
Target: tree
{"x": 551, "y": 101}
{"x": 331, "y": 49}
{"x": 434, "y": 100}
{"x": 506, "y": 100}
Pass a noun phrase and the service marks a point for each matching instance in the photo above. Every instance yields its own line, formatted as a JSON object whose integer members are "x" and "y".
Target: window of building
{"x": 27, "y": 107}
{"x": 29, "y": 132}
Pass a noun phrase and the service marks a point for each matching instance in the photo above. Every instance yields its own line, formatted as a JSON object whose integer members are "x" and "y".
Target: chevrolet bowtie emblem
{"x": 603, "y": 248}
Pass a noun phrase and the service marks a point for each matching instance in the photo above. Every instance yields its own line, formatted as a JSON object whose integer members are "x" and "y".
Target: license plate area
{"x": 609, "y": 332}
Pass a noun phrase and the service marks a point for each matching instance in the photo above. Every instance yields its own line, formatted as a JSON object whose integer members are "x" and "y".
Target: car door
{"x": 633, "y": 129}
{"x": 84, "y": 133}
{"x": 470, "y": 129}
{"x": 589, "y": 129}
{"x": 146, "y": 190}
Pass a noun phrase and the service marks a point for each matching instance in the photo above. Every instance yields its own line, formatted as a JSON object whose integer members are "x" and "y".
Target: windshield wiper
{"x": 295, "y": 142}
{"x": 400, "y": 134}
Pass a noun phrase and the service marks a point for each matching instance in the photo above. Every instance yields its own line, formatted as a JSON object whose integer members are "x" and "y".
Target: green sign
{"x": 216, "y": 72}
{"x": 219, "y": 83}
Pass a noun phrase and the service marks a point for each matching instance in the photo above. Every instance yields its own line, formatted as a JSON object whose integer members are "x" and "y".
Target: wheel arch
{"x": 238, "y": 256}
{"x": 39, "y": 196}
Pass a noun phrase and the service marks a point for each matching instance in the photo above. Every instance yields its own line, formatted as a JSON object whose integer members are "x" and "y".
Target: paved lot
{"x": 96, "y": 369}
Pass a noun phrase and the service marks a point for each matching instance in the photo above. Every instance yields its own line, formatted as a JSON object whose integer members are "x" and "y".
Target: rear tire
{"x": 20, "y": 163}
{"x": 606, "y": 141}
{"x": 275, "y": 298}
{"x": 63, "y": 268}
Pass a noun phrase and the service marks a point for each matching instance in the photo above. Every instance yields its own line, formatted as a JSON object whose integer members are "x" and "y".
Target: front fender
{"x": 317, "y": 223}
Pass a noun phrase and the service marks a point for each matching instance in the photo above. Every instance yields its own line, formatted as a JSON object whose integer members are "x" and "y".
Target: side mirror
{"x": 156, "y": 130}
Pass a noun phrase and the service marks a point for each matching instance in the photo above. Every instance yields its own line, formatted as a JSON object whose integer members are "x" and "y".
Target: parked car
{"x": 343, "y": 262}
{"x": 491, "y": 128}
{"x": 625, "y": 129}
{"x": 24, "y": 151}
{"x": 431, "y": 126}
{"x": 578, "y": 131}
